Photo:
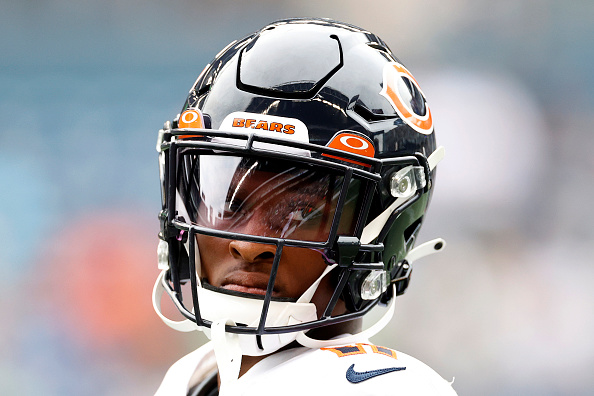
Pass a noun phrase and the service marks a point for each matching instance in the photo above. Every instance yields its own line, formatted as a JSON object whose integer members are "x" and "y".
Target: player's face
{"x": 245, "y": 267}
{"x": 295, "y": 204}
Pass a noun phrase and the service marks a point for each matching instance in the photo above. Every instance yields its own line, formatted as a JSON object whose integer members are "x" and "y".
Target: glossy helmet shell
{"x": 330, "y": 76}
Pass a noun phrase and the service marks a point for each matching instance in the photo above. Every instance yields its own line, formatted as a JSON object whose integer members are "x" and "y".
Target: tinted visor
{"x": 266, "y": 197}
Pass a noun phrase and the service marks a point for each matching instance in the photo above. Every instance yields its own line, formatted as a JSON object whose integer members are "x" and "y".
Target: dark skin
{"x": 245, "y": 267}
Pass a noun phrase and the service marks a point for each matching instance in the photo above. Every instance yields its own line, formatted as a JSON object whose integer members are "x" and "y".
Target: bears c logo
{"x": 191, "y": 119}
{"x": 404, "y": 94}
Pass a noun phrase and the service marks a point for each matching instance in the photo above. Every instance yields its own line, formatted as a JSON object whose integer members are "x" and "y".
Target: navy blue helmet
{"x": 315, "y": 128}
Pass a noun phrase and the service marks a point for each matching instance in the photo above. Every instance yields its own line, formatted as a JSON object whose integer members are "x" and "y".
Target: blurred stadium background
{"x": 85, "y": 85}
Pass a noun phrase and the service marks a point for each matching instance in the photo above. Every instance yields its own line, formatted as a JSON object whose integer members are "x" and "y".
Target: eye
{"x": 299, "y": 214}
{"x": 305, "y": 213}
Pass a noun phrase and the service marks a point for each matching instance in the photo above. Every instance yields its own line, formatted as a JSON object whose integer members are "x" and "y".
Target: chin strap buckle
{"x": 401, "y": 271}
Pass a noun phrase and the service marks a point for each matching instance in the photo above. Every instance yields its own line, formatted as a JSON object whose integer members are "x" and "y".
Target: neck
{"x": 322, "y": 333}
{"x": 328, "y": 332}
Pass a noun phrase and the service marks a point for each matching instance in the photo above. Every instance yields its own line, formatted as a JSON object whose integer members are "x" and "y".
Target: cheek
{"x": 305, "y": 267}
{"x": 300, "y": 268}
{"x": 212, "y": 250}
{"x": 323, "y": 295}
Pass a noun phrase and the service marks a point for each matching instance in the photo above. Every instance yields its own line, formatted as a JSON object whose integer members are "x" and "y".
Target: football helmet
{"x": 308, "y": 135}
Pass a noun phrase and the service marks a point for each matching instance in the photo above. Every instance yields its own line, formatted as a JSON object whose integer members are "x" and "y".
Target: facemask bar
{"x": 172, "y": 144}
{"x": 267, "y": 296}
{"x": 270, "y": 197}
{"x": 370, "y": 175}
{"x": 192, "y": 230}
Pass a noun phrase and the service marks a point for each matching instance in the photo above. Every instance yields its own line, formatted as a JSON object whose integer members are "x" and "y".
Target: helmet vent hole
{"x": 368, "y": 115}
{"x": 203, "y": 90}
{"x": 378, "y": 47}
{"x": 411, "y": 231}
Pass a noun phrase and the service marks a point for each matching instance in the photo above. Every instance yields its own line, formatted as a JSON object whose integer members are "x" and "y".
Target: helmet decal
{"x": 283, "y": 127}
{"x": 404, "y": 94}
{"x": 351, "y": 142}
{"x": 191, "y": 119}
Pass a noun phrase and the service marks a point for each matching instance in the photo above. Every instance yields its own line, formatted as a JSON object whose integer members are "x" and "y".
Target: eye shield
{"x": 268, "y": 197}
{"x": 226, "y": 180}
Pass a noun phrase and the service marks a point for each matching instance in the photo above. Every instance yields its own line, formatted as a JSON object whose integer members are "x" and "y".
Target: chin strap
{"x": 366, "y": 334}
{"x": 435, "y": 157}
{"x": 185, "y": 325}
{"x": 228, "y": 353}
{"x": 425, "y": 249}
{"x": 373, "y": 229}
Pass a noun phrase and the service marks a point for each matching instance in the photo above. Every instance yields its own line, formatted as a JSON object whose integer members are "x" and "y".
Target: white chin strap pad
{"x": 225, "y": 308}
{"x": 228, "y": 353}
{"x": 216, "y": 306}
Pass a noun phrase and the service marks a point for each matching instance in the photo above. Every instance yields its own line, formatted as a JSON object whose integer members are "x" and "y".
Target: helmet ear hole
{"x": 410, "y": 233}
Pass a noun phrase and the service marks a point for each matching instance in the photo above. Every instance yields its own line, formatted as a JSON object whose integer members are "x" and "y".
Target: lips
{"x": 248, "y": 282}
{"x": 245, "y": 289}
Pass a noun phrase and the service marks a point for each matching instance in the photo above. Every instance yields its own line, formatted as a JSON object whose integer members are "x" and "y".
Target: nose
{"x": 251, "y": 251}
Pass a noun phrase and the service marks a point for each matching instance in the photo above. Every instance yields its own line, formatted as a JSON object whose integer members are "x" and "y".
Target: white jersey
{"x": 357, "y": 369}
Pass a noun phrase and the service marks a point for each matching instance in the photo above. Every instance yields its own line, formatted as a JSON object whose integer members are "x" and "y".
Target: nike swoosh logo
{"x": 356, "y": 376}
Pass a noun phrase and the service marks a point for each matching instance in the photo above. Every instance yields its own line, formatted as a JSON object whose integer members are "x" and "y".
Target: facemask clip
{"x": 347, "y": 248}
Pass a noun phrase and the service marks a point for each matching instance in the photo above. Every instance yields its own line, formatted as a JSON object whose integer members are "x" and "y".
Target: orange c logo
{"x": 361, "y": 144}
{"x": 191, "y": 119}
{"x": 351, "y": 143}
{"x": 394, "y": 76}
